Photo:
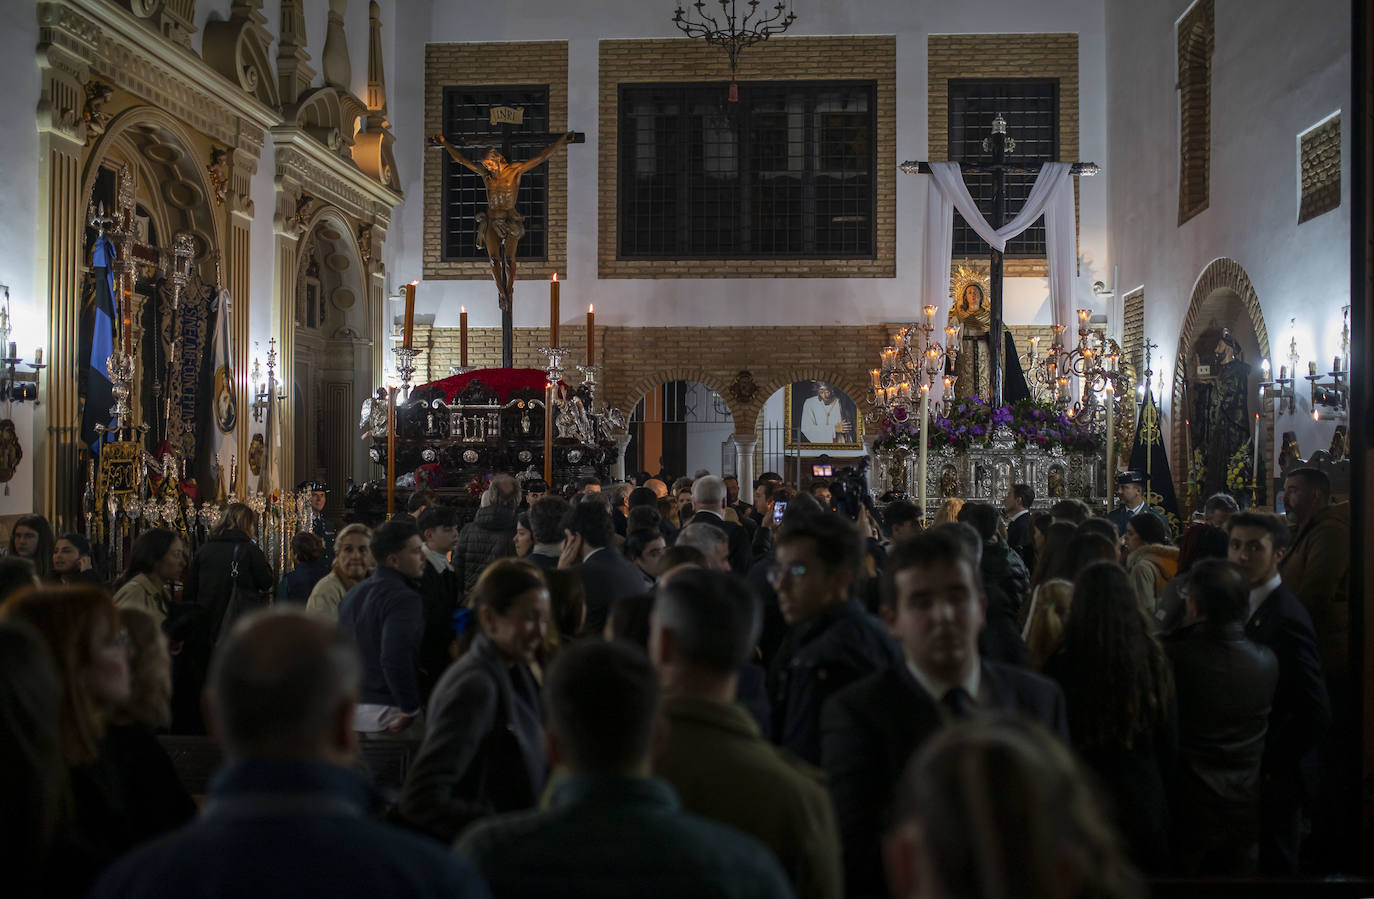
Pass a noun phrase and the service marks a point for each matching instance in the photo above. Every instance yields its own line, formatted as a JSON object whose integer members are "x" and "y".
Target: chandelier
{"x": 910, "y": 365}
{"x": 733, "y": 31}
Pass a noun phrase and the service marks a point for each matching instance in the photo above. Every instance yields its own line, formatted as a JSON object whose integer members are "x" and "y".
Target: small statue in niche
{"x": 11, "y": 453}
{"x": 1056, "y": 482}
{"x": 218, "y": 170}
{"x": 949, "y": 482}
{"x": 1289, "y": 453}
{"x": 97, "y": 95}
{"x": 1340, "y": 443}
{"x": 257, "y": 448}
{"x": 365, "y": 244}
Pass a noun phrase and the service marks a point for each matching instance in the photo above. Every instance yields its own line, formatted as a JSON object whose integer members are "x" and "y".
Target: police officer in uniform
{"x": 1130, "y": 490}
{"x": 320, "y": 525}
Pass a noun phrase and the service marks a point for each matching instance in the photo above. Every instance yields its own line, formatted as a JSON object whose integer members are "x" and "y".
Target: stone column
{"x": 60, "y": 213}
{"x": 288, "y": 228}
{"x": 237, "y": 274}
{"x": 744, "y": 464}
{"x": 622, "y": 442}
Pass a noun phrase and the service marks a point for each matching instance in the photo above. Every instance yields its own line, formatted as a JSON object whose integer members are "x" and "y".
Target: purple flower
{"x": 976, "y": 431}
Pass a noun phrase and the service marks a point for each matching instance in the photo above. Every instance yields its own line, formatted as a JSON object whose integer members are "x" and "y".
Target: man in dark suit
{"x": 439, "y": 593}
{"x": 933, "y": 595}
{"x": 1016, "y": 504}
{"x": 708, "y": 503}
{"x": 1302, "y": 709}
{"x": 546, "y": 526}
{"x": 589, "y": 542}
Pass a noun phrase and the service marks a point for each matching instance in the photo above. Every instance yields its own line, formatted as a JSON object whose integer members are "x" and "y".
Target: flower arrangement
{"x": 971, "y": 422}
{"x": 1238, "y": 471}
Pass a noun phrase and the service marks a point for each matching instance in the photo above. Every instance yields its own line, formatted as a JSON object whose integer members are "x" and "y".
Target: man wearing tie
{"x": 934, "y": 599}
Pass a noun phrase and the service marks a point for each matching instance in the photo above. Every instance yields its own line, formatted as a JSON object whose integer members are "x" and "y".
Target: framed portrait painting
{"x": 820, "y": 416}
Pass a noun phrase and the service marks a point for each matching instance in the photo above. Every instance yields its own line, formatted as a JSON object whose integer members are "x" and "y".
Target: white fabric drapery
{"x": 1050, "y": 196}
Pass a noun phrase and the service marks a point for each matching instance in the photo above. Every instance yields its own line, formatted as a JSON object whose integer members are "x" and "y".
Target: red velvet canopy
{"x": 502, "y": 380}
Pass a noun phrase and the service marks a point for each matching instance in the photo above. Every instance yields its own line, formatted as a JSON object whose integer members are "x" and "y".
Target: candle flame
{"x": 413, "y": 283}
{"x": 590, "y": 310}
{"x": 463, "y": 310}
{"x": 555, "y": 276}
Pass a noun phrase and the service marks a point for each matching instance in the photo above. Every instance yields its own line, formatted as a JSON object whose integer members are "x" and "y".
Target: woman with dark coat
{"x": 229, "y": 563}
{"x": 1123, "y": 722}
{"x": 483, "y": 750}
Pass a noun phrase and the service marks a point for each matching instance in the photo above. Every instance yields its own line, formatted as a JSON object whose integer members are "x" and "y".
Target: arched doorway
{"x": 680, "y": 428}
{"x": 149, "y": 162}
{"x": 1217, "y": 373}
{"x": 333, "y": 357}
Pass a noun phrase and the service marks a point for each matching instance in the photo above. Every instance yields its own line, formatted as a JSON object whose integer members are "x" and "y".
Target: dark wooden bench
{"x": 196, "y": 759}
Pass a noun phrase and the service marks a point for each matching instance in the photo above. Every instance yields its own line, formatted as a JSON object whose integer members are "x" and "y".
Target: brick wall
{"x": 1320, "y": 169}
{"x": 516, "y": 62}
{"x": 1004, "y": 56}
{"x": 1196, "y": 41}
{"x": 791, "y": 59}
{"x": 636, "y": 360}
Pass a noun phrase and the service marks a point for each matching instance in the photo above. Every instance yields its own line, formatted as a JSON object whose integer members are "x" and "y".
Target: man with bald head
{"x": 283, "y": 689}
{"x": 708, "y": 503}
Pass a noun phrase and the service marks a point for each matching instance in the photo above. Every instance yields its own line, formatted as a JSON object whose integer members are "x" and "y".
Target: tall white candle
{"x": 1111, "y": 437}
{"x": 921, "y": 459}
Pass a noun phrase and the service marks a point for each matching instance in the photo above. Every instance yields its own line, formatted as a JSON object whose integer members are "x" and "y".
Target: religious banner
{"x": 820, "y": 416}
{"x": 97, "y": 343}
{"x": 181, "y": 361}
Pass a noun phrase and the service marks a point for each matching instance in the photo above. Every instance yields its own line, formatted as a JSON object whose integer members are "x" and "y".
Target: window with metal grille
{"x": 1031, "y": 109}
{"x": 466, "y": 113}
{"x": 789, "y": 171}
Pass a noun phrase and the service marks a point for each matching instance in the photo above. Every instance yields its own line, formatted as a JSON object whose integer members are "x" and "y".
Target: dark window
{"x": 467, "y": 112}
{"x": 786, "y": 172}
{"x": 1031, "y": 109}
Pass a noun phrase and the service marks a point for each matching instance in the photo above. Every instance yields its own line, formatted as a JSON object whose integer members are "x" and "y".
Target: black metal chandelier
{"x": 733, "y": 31}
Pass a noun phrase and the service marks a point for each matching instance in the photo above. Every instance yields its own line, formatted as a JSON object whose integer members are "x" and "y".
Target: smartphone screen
{"x": 778, "y": 509}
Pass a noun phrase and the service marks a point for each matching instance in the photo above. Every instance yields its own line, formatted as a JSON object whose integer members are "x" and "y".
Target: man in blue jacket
{"x": 385, "y": 614}
{"x": 288, "y": 815}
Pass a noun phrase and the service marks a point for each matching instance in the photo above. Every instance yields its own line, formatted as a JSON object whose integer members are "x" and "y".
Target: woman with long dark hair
{"x": 228, "y": 562}
{"x": 1120, "y": 697}
{"x": 71, "y": 561}
{"x": 158, "y": 560}
{"x": 483, "y": 750}
{"x": 31, "y": 538}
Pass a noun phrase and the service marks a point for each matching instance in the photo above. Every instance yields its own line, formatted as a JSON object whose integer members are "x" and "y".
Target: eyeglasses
{"x": 776, "y": 572}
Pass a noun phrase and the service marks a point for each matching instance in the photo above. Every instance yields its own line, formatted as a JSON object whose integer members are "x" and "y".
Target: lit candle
{"x": 921, "y": 459}
{"x": 1111, "y": 433}
{"x": 463, "y": 336}
{"x": 929, "y": 311}
{"x": 408, "y": 330}
{"x": 553, "y": 310}
{"x": 876, "y": 375}
{"x": 591, "y": 335}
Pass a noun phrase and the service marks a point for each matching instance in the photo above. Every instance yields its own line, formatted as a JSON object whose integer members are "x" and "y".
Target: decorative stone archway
{"x": 1222, "y": 275}
{"x": 333, "y": 353}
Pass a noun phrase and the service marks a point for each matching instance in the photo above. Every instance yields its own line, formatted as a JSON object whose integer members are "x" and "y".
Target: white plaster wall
{"x": 743, "y": 302}
{"x": 1275, "y": 73}
{"x": 19, "y": 241}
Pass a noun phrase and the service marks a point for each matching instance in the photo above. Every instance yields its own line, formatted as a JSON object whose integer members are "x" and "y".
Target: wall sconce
{"x": 1280, "y": 390}
{"x": 265, "y": 389}
{"x": 16, "y": 386}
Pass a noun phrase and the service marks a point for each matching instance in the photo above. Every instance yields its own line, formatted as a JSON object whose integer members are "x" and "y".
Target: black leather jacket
{"x": 1225, "y": 687}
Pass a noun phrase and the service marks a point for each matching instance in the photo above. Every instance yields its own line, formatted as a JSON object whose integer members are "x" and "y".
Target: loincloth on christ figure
{"x": 505, "y": 225}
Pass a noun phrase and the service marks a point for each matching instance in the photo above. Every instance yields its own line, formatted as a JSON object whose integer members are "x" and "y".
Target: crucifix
{"x": 997, "y": 146}
{"x": 501, "y": 226}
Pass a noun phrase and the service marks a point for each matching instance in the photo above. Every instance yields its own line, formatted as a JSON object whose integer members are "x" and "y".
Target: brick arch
{"x": 627, "y": 397}
{"x": 1220, "y": 274}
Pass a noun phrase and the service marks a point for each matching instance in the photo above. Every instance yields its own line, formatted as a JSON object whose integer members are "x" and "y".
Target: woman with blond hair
{"x": 158, "y": 801}
{"x": 949, "y": 510}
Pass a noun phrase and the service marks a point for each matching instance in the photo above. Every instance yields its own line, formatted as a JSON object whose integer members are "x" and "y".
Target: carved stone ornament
{"x": 11, "y": 453}
{"x": 97, "y": 95}
{"x": 218, "y": 170}
{"x": 743, "y": 389}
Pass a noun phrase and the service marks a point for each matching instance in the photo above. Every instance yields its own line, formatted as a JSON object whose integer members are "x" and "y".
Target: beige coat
{"x": 142, "y": 594}
{"x": 324, "y": 599}
{"x": 1316, "y": 570}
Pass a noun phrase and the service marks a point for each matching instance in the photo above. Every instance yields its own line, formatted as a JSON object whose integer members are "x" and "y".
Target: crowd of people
{"x": 665, "y": 688}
